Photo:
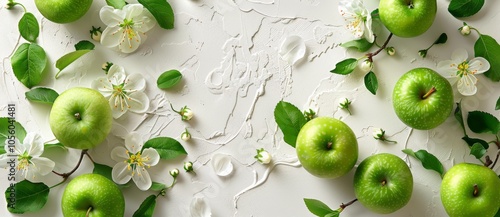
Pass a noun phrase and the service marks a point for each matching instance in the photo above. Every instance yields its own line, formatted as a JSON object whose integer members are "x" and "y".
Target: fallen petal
{"x": 199, "y": 208}
{"x": 222, "y": 164}
{"x": 292, "y": 49}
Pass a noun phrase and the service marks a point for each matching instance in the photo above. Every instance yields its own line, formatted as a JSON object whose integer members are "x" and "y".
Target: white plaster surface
{"x": 228, "y": 53}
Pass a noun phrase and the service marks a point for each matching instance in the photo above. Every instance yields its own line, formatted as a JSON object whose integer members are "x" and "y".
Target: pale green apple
{"x": 327, "y": 147}
{"x": 407, "y": 18}
{"x": 63, "y": 11}
{"x": 92, "y": 195}
{"x": 80, "y": 118}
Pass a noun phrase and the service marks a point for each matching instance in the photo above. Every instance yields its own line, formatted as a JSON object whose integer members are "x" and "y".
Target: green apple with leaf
{"x": 92, "y": 195}
{"x": 407, "y": 18}
{"x": 80, "y": 118}
{"x": 422, "y": 99}
{"x": 327, "y": 147}
{"x": 470, "y": 190}
{"x": 63, "y": 11}
{"x": 383, "y": 183}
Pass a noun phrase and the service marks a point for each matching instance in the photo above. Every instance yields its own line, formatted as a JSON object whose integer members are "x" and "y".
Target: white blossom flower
{"x": 132, "y": 162}
{"x": 359, "y": 20}
{"x": 27, "y": 158}
{"x": 263, "y": 156}
{"x": 123, "y": 91}
{"x": 126, "y": 27}
{"x": 462, "y": 71}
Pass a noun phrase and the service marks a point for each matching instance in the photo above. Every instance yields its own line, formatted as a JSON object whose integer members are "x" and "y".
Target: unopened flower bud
{"x": 309, "y": 115}
{"x": 106, "y": 66}
{"x": 186, "y": 136}
{"x": 344, "y": 104}
{"x": 379, "y": 134}
{"x": 188, "y": 166}
{"x": 366, "y": 65}
{"x": 95, "y": 33}
{"x": 263, "y": 156}
{"x": 391, "y": 51}
{"x": 422, "y": 53}
{"x": 465, "y": 30}
{"x": 186, "y": 113}
{"x": 174, "y": 173}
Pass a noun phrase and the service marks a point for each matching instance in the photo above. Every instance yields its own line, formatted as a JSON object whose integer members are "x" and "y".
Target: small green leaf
{"x": 428, "y": 160}
{"x": 169, "y": 79}
{"x": 9, "y": 127}
{"x": 42, "y": 94}
{"x": 458, "y": 115}
{"x": 477, "y": 150}
{"x": 156, "y": 186}
{"x": 488, "y": 48}
{"x": 103, "y": 170}
{"x": 84, "y": 45}
{"x": 118, "y": 4}
{"x": 371, "y": 82}
{"x": 465, "y": 8}
{"x": 69, "y": 58}
{"x": 471, "y": 141}
{"x": 335, "y": 213}
{"x": 28, "y": 27}
{"x": 146, "y": 208}
{"x": 375, "y": 14}
{"x": 483, "y": 122}
{"x": 442, "y": 39}
{"x": 361, "y": 44}
{"x": 162, "y": 12}
{"x": 28, "y": 196}
{"x": 167, "y": 147}
{"x": 497, "y": 106}
{"x": 28, "y": 63}
{"x": 498, "y": 212}
{"x": 290, "y": 120}
{"x": 55, "y": 145}
{"x": 317, "y": 207}
{"x": 345, "y": 67}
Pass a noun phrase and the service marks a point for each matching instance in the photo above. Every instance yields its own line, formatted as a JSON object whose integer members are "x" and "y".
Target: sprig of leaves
{"x": 465, "y": 8}
{"x": 319, "y": 208}
{"x": 428, "y": 160}
{"x": 290, "y": 120}
{"x": 81, "y": 48}
{"x": 440, "y": 40}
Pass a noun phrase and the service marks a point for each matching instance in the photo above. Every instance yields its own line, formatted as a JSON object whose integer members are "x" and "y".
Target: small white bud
{"x": 174, "y": 173}
{"x": 263, "y": 156}
{"x": 186, "y": 136}
{"x": 378, "y": 133}
{"x": 391, "y": 51}
{"x": 186, "y": 113}
{"x": 188, "y": 166}
{"x": 465, "y": 30}
{"x": 366, "y": 66}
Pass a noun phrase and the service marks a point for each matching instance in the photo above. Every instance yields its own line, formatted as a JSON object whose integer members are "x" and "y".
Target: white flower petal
{"x": 130, "y": 42}
{"x": 110, "y": 16}
{"x": 134, "y": 142}
{"x": 132, "y": 10}
{"x": 222, "y": 164}
{"x": 5, "y": 160}
{"x": 368, "y": 33}
{"x": 138, "y": 102}
{"x": 103, "y": 86}
{"x": 119, "y": 154}
{"x": 459, "y": 55}
{"x": 447, "y": 68}
{"x": 479, "y": 65}
{"x": 467, "y": 85}
{"x": 35, "y": 144}
{"x": 150, "y": 156}
{"x": 120, "y": 173}
{"x": 111, "y": 36}
{"x": 115, "y": 104}
{"x": 117, "y": 75}
{"x": 199, "y": 208}
{"x": 292, "y": 49}
{"x": 144, "y": 22}
{"x": 42, "y": 165}
{"x": 141, "y": 179}
{"x": 134, "y": 82}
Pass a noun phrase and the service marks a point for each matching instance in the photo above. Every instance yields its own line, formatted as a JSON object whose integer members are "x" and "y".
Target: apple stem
{"x": 371, "y": 55}
{"x": 431, "y": 91}
{"x": 66, "y": 175}
{"x": 343, "y": 206}
{"x": 476, "y": 191}
{"x": 88, "y": 212}
{"x": 329, "y": 145}
{"x": 78, "y": 116}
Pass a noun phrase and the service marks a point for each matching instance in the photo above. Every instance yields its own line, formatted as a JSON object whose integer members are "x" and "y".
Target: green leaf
{"x": 371, "y": 82}
{"x": 103, "y": 170}
{"x": 458, "y": 115}
{"x": 55, "y": 145}
{"x": 497, "y": 106}
{"x": 345, "y": 67}
{"x": 146, "y": 208}
{"x": 483, "y": 122}
{"x": 477, "y": 150}
{"x": 317, "y": 207}
{"x": 442, "y": 39}
{"x": 471, "y": 141}
{"x": 10, "y": 127}
{"x": 428, "y": 160}
{"x": 42, "y": 94}
{"x": 162, "y": 11}
{"x": 28, "y": 27}
{"x": 156, "y": 186}
{"x": 28, "y": 63}
{"x": 69, "y": 58}
{"x": 169, "y": 79}
{"x": 167, "y": 147}
{"x": 498, "y": 212}
{"x": 335, "y": 213}
{"x": 290, "y": 120}
{"x": 488, "y": 48}
{"x": 84, "y": 45}
{"x": 118, "y": 4}
{"x": 28, "y": 196}
{"x": 361, "y": 44}
{"x": 375, "y": 14}
{"x": 465, "y": 8}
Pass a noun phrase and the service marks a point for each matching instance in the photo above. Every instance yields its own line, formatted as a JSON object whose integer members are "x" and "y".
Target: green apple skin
{"x": 94, "y": 123}
{"x": 407, "y": 18}
{"x": 383, "y": 183}
{"x": 92, "y": 190}
{"x": 327, "y": 147}
{"x": 412, "y": 109}
{"x": 457, "y": 191}
{"x": 63, "y": 11}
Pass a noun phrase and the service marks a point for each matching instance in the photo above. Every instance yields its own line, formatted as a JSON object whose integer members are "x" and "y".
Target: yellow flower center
{"x": 135, "y": 160}
{"x": 463, "y": 69}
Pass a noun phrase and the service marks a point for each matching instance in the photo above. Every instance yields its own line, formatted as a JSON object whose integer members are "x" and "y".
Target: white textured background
{"x": 227, "y": 51}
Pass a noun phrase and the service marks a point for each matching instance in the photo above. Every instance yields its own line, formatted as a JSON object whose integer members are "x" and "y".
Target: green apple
{"x": 81, "y": 118}
{"x": 407, "y": 18}
{"x": 422, "y": 99}
{"x": 470, "y": 190}
{"x": 63, "y": 11}
{"x": 383, "y": 183}
{"x": 92, "y": 195}
{"x": 327, "y": 147}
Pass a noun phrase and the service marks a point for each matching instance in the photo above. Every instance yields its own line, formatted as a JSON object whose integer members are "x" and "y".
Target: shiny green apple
{"x": 63, "y": 11}
{"x": 407, "y": 18}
